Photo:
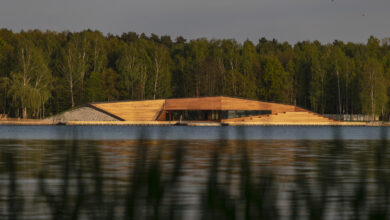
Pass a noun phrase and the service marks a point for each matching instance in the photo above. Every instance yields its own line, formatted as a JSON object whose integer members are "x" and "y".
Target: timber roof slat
{"x": 148, "y": 110}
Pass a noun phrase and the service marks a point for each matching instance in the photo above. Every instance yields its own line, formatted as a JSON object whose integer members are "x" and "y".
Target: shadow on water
{"x": 342, "y": 181}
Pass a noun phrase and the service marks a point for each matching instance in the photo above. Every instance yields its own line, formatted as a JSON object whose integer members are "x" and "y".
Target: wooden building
{"x": 209, "y": 109}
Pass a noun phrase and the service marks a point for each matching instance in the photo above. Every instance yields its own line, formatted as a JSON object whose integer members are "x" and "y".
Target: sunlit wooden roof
{"x": 149, "y": 110}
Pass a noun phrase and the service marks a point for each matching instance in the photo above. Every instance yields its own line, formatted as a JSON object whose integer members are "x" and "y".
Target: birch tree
{"x": 160, "y": 58}
{"x": 74, "y": 65}
{"x": 30, "y": 81}
{"x": 69, "y": 68}
{"x": 128, "y": 69}
{"x": 374, "y": 97}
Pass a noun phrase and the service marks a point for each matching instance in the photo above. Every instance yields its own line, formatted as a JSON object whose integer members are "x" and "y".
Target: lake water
{"x": 193, "y": 132}
{"x": 209, "y": 173}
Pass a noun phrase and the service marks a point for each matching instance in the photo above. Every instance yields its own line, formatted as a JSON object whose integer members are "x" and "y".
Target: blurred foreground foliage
{"x": 340, "y": 182}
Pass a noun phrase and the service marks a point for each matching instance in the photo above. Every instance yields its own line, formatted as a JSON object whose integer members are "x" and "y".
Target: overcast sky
{"x": 285, "y": 20}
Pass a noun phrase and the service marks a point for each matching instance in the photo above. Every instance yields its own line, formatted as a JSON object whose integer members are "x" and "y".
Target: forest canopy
{"x": 44, "y": 73}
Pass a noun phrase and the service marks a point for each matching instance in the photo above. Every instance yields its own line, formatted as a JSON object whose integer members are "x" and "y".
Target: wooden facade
{"x": 226, "y": 103}
{"x": 210, "y": 107}
{"x": 133, "y": 110}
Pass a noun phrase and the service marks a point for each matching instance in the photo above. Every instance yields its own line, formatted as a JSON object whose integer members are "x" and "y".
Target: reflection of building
{"x": 208, "y": 109}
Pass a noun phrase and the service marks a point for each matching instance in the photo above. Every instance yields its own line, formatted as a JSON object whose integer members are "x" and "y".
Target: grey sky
{"x": 285, "y": 20}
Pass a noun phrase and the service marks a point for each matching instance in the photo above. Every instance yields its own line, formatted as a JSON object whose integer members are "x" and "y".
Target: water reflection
{"x": 149, "y": 179}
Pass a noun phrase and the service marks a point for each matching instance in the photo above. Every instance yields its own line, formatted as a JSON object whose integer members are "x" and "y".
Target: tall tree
{"x": 161, "y": 61}
{"x": 69, "y": 67}
{"x": 317, "y": 82}
{"x": 231, "y": 55}
{"x": 98, "y": 55}
{"x": 374, "y": 97}
{"x": 340, "y": 69}
{"x": 199, "y": 52}
{"x": 275, "y": 81}
{"x": 181, "y": 75}
{"x": 128, "y": 68}
{"x": 8, "y": 62}
{"x": 30, "y": 81}
{"x": 4, "y": 76}
{"x": 249, "y": 69}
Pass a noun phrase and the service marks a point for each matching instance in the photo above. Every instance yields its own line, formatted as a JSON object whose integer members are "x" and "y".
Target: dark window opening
{"x": 193, "y": 115}
{"x": 243, "y": 113}
{"x": 210, "y": 115}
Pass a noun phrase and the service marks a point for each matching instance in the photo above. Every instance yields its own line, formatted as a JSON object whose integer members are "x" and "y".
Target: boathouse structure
{"x": 224, "y": 110}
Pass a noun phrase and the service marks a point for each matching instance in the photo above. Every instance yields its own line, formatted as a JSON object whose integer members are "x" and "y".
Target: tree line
{"x": 44, "y": 73}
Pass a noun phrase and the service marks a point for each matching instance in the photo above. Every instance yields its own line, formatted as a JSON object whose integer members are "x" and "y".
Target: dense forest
{"x": 44, "y": 73}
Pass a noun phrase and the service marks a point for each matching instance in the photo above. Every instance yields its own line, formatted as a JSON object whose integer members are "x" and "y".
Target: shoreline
{"x": 185, "y": 123}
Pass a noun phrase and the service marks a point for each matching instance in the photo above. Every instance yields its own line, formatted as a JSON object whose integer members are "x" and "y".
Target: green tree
{"x": 30, "y": 81}
{"x": 69, "y": 67}
{"x": 275, "y": 81}
{"x": 110, "y": 85}
{"x": 7, "y": 64}
{"x": 97, "y": 51}
{"x": 340, "y": 68}
{"x": 231, "y": 56}
{"x": 249, "y": 69}
{"x": 160, "y": 66}
{"x": 374, "y": 94}
{"x": 317, "y": 83}
{"x": 103, "y": 86}
{"x": 215, "y": 69}
{"x": 3, "y": 76}
{"x": 302, "y": 62}
{"x": 95, "y": 87}
{"x": 181, "y": 74}
{"x": 143, "y": 71}
{"x": 198, "y": 55}
{"x": 128, "y": 68}
{"x": 290, "y": 69}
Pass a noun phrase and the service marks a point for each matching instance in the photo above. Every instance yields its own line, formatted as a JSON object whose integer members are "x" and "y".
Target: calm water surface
{"x": 194, "y": 179}
{"x": 222, "y": 177}
{"x": 192, "y": 132}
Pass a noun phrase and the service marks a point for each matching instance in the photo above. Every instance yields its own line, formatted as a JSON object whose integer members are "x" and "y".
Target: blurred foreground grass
{"x": 343, "y": 183}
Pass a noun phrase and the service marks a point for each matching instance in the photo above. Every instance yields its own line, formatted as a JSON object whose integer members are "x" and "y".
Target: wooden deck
{"x": 303, "y": 124}
{"x": 228, "y": 103}
{"x": 192, "y": 123}
{"x": 204, "y": 124}
{"x": 12, "y": 121}
{"x": 285, "y": 117}
{"x": 124, "y": 123}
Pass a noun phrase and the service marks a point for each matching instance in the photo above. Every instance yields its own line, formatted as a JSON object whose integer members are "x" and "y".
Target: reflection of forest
{"x": 63, "y": 179}
{"x": 118, "y": 156}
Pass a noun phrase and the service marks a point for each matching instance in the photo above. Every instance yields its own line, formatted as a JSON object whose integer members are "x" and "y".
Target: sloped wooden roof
{"x": 133, "y": 110}
{"x": 149, "y": 110}
{"x": 225, "y": 103}
{"x": 206, "y": 103}
{"x": 228, "y": 103}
